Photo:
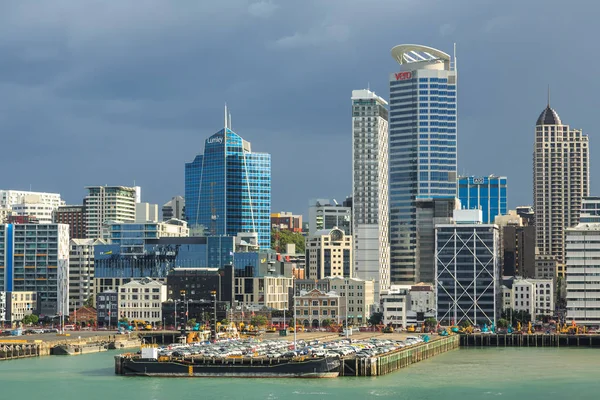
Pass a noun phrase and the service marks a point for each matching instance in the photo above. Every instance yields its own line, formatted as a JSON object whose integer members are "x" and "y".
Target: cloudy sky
{"x": 110, "y": 92}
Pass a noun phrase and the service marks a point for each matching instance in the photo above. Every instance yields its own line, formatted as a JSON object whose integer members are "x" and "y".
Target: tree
{"x": 502, "y": 323}
{"x": 30, "y": 319}
{"x": 191, "y": 322}
{"x": 465, "y": 324}
{"x": 259, "y": 320}
{"x": 123, "y": 319}
{"x": 225, "y": 322}
{"x": 431, "y": 322}
{"x": 326, "y": 323}
{"x": 286, "y": 237}
{"x": 376, "y": 318}
{"x": 89, "y": 302}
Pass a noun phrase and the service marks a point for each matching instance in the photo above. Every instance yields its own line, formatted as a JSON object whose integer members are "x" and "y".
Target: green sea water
{"x": 462, "y": 374}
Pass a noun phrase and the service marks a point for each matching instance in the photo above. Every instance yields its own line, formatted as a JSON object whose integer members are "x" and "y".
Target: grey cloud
{"x": 262, "y": 9}
{"x": 321, "y": 36}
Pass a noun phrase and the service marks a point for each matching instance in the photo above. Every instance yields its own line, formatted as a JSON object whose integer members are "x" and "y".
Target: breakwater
{"x": 534, "y": 340}
{"x": 383, "y": 364}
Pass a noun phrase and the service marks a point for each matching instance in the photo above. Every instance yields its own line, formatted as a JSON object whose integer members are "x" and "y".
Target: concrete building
{"x": 313, "y": 307}
{"x": 35, "y": 258}
{"x": 590, "y": 210}
{"x": 146, "y": 212}
{"x": 422, "y": 298}
{"x": 357, "y": 299}
{"x": 142, "y": 299}
{"x": 174, "y": 208}
{"x": 107, "y": 203}
{"x": 329, "y": 253}
{"x": 107, "y": 307}
{"x": 8, "y": 198}
{"x": 132, "y": 236}
{"x": 422, "y": 146}
{"x": 518, "y": 243}
{"x": 286, "y": 221}
{"x": 561, "y": 179}
{"x": 81, "y": 271}
{"x": 228, "y": 188}
{"x": 326, "y": 214}
{"x": 268, "y": 291}
{"x": 74, "y": 217}
{"x": 534, "y": 296}
{"x": 467, "y": 270}
{"x": 583, "y": 266}
{"x": 545, "y": 267}
{"x": 486, "y": 193}
{"x": 394, "y": 306}
{"x": 4, "y": 214}
{"x": 430, "y": 212}
{"x": 14, "y": 306}
{"x": 370, "y": 188}
{"x": 41, "y": 212}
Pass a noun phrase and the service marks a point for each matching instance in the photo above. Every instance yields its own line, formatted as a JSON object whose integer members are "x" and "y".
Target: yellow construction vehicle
{"x": 139, "y": 325}
{"x": 410, "y": 328}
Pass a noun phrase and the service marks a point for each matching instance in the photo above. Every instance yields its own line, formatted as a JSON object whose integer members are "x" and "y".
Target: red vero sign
{"x": 401, "y": 76}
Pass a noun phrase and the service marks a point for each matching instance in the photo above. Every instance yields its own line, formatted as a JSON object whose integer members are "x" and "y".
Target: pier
{"x": 13, "y": 349}
{"x": 534, "y": 340}
{"x": 386, "y": 363}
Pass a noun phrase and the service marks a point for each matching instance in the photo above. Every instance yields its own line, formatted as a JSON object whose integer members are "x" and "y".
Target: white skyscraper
{"x": 108, "y": 203}
{"x": 370, "y": 188}
{"x": 561, "y": 178}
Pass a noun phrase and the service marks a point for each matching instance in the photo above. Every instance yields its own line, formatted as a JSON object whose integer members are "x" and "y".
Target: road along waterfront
{"x": 465, "y": 374}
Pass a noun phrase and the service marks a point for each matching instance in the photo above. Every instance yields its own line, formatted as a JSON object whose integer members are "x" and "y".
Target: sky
{"x": 115, "y": 92}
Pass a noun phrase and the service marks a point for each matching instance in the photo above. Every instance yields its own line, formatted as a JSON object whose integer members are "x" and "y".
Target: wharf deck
{"x": 534, "y": 340}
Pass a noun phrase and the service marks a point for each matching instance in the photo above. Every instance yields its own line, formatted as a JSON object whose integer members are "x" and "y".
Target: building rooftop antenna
{"x": 548, "y": 95}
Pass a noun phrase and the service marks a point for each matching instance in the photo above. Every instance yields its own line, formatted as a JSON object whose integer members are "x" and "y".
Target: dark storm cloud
{"x": 95, "y": 92}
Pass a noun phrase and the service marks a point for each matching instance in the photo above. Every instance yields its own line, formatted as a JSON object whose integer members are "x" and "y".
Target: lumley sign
{"x": 216, "y": 139}
{"x": 402, "y": 76}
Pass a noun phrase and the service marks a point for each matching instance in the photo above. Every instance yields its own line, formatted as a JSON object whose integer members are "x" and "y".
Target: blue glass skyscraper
{"x": 228, "y": 188}
{"x": 487, "y": 193}
{"x": 422, "y": 146}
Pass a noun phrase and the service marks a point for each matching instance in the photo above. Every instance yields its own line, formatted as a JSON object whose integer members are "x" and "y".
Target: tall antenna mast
{"x": 548, "y": 95}
{"x": 225, "y": 115}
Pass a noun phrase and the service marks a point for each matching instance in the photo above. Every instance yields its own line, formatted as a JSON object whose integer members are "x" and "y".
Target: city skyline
{"x": 72, "y": 87}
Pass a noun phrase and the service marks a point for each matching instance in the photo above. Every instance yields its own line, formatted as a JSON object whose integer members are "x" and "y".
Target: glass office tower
{"x": 487, "y": 193}
{"x": 228, "y": 188}
{"x": 422, "y": 146}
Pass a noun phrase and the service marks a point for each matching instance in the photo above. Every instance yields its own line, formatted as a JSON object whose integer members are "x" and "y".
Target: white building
{"x": 81, "y": 271}
{"x": 142, "y": 299}
{"x": 314, "y": 307}
{"x": 422, "y": 298}
{"x": 535, "y": 296}
{"x": 174, "y": 208}
{"x": 265, "y": 291}
{"x": 8, "y": 198}
{"x": 42, "y": 212}
{"x": 370, "y": 188}
{"x": 146, "y": 212}
{"x": 357, "y": 298}
{"x": 325, "y": 214}
{"x": 583, "y": 269}
{"x": 561, "y": 178}
{"x": 108, "y": 203}
{"x": 329, "y": 253}
{"x": 394, "y": 305}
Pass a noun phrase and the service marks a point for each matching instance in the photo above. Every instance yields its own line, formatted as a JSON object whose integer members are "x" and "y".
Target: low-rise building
{"x": 142, "y": 299}
{"x": 394, "y": 305}
{"x": 357, "y": 298}
{"x": 84, "y": 316}
{"x": 534, "y": 296}
{"x": 267, "y": 291}
{"x": 107, "y": 308}
{"x": 14, "y": 306}
{"x": 315, "y": 307}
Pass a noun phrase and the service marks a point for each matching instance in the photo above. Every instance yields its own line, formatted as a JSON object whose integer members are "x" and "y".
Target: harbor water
{"x": 464, "y": 374}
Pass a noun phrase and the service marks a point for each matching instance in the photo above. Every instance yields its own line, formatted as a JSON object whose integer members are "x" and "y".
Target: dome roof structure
{"x": 548, "y": 117}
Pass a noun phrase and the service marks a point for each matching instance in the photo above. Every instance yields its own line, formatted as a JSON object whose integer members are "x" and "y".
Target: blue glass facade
{"x": 422, "y": 152}
{"x": 228, "y": 188}
{"x": 487, "y": 193}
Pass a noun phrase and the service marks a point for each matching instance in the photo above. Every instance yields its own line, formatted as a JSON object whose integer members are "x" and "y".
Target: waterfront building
{"x": 422, "y": 298}
{"x": 323, "y": 285}
{"x": 142, "y": 299}
{"x": 202, "y": 311}
{"x": 430, "y": 212}
{"x": 198, "y": 283}
{"x": 393, "y": 304}
{"x": 561, "y": 179}
{"x": 81, "y": 271}
{"x": 487, "y": 193}
{"x": 370, "y": 188}
{"x": 107, "y": 308}
{"x": 583, "y": 267}
{"x": 534, "y": 296}
{"x": 14, "y": 306}
{"x": 357, "y": 298}
{"x": 228, "y": 188}
{"x": 422, "y": 146}
{"x": 286, "y": 221}
{"x": 315, "y": 306}
{"x": 146, "y": 212}
{"x": 85, "y": 316}
{"x": 467, "y": 270}
{"x": 518, "y": 247}
{"x": 326, "y": 214}
{"x": 174, "y": 208}
{"x": 8, "y": 198}
{"x": 266, "y": 291}
{"x": 329, "y": 253}
{"x": 74, "y": 217}
{"x": 36, "y": 259}
{"x": 108, "y": 203}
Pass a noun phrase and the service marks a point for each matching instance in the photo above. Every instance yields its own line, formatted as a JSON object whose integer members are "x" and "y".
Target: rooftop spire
{"x": 548, "y": 95}
{"x": 225, "y": 115}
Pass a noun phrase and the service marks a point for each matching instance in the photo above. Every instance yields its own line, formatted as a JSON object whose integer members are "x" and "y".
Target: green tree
{"x": 259, "y": 320}
{"x": 326, "y": 323}
{"x": 376, "y": 318}
{"x": 225, "y": 322}
{"x": 502, "y": 323}
{"x": 191, "y": 322}
{"x": 123, "y": 319}
{"x": 286, "y": 237}
{"x": 465, "y": 324}
{"x": 430, "y": 322}
{"x": 89, "y": 302}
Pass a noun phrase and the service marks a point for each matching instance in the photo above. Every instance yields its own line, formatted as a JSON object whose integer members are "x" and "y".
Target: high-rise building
{"x": 132, "y": 236}
{"x": 467, "y": 272}
{"x": 422, "y": 146}
{"x": 326, "y": 214}
{"x": 81, "y": 271}
{"x": 560, "y": 180}
{"x": 487, "y": 193}
{"x": 590, "y": 210}
{"x": 370, "y": 188}
{"x": 73, "y": 216}
{"x": 8, "y": 198}
{"x": 174, "y": 208}
{"x": 107, "y": 203}
{"x": 35, "y": 258}
{"x": 41, "y": 212}
{"x": 146, "y": 212}
{"x": 228, "y": 188}
{"x": 328, "y": 254}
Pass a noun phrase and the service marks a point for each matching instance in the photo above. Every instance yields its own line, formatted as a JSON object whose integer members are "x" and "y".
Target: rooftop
{"x": 548, "y": 117}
